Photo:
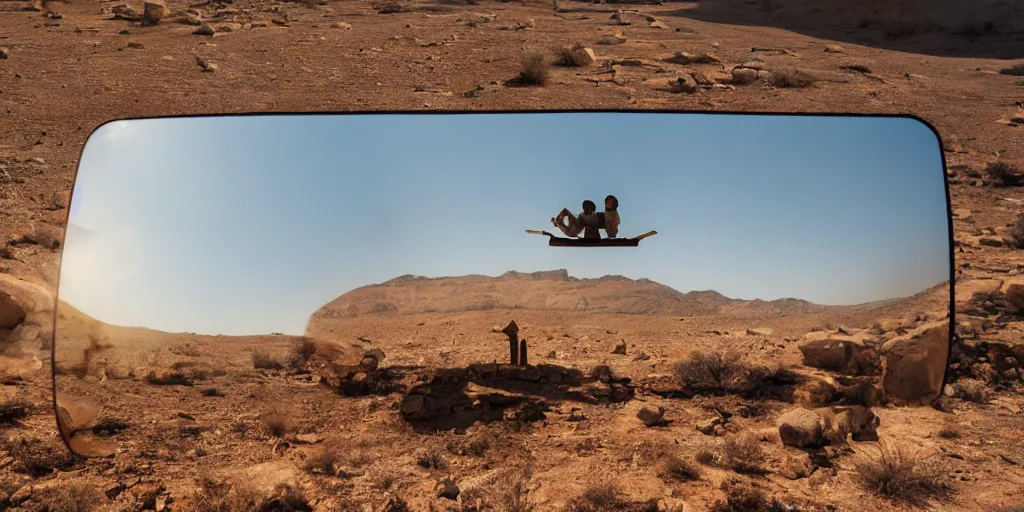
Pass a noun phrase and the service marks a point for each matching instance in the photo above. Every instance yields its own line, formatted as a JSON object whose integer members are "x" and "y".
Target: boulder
{"x": 797, "y": 465}
{"x": 914, "y": 364}
{"x": 414, "y": 407}
{"x": 743, "y": 76}
{"x": 800, "y": 428}
{"x": 844, "y": 354}
{"x": 651, "y": 416}
{"x": 1013, "y": 291}
{"x": 205, "y": 30}
{"x": 23, "y": 300}
{"x": 816, "y": 392}
{"x": 620, "y": 349}
{"x": 583, "y": 56}
{"x": 153, "y": 11}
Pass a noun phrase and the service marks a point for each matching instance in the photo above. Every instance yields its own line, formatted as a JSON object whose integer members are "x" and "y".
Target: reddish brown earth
{"x": 67, "y": 72}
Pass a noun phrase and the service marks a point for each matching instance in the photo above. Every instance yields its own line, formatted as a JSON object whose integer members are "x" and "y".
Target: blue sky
{"x": 245, "y": 225}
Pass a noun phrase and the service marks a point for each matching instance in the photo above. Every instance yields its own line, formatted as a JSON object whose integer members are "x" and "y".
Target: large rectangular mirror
{"x": 371, "y": 302}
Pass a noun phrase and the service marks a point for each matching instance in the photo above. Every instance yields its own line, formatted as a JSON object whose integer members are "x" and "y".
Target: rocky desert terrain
{"x": 400, "y": 396}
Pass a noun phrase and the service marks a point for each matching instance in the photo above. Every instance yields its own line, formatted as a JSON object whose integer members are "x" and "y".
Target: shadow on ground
{"x": 942, "y": 28}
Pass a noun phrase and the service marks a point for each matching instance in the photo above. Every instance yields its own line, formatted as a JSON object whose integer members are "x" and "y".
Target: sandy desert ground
{"x": 356, "y": 440}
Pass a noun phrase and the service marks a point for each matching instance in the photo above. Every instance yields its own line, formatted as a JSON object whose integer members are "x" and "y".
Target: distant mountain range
{"x": 556, "y": 290}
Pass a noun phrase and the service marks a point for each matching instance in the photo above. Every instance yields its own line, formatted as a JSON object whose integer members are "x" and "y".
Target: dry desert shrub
{"x": 726, "y": 372}
{"x": 302, "y": 351}
{"x": 69, "y": 497}
{"x": 900, "y": 474}
{"x": 708, "y": 457}
{"x": 676, "y": 468}
{"x": 13, "y": 409}
{"x": 860, "y": 68}
{"x": 186, "y": 349}
{"x": 1004, "y": 174}
{"x": 325, "y": 460}
{"x": 431, "y": 459}
{"x": 598, "y": 497}
{"x": 949, "y": 433}
{"x": 214, "y": 496}
{"x": 533, "y": 70}
{"x": 744, "y": 454}
{"x": 515, "y": 496}
{"x": 792, "y": 78}
{"x": 276, "y": 423}
{"x": 1017, "y": 232}
{"x": 262, "y": 360}
{"x": 976, "y": 28}
{"x": 37, "y": 457}
{"x": 743, "y": 497}
{"x": 972, "y": 390}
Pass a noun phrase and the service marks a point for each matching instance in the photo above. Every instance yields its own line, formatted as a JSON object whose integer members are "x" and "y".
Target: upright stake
{"x": 522, "y": 353}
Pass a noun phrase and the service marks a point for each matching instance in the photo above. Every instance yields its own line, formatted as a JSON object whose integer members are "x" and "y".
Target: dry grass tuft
{"x": 262, "y": 360}
{"x": 13, "y": 409}
{"x": 431, "y": 459}
{"x": 515, "y": 494}
{"x": 1017, "y": 232}
{"x": 949, "y": 433}
{"x": 744, "y": 454}
{"x": 599, "y": 497}
{"x": 213, "y": 496}
{"x": 792, "y": 78}
{"x": 38, "y": 458}
{"x": 302, "y": 351}
{"x": 325, "y": 460}
{"x": 69, "y": 497}
{"x": 972, "y": 390}
{"x": 900, "y": 475}
{"x": 276, "y": 422}
{"x": 708, "y": 457}
{"x": 212, "y": 392}
{"x": 676, "y": 468}
{"x": 533, "y": 71}
{"x": 743, "y": 497}
{"x": 860, "y": 68}
{"x": 1004, "y": 174}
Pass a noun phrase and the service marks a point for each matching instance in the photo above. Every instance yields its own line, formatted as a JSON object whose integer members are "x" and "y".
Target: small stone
{"x": 22, "y": 494}
{"x": 620, "y": 349}
{"x": 307, "y": 439}
{"x": 800, "y": 428}
{"x": 834, "y": 48}
{"x": 341, "y": 25}
{"x": 4, "y": 53}
{"x": 447, "y": 489}
{"x": 991, "y": 241}
{"x": 208, "y": 67}
{"x": 205, "y": 30}
{"x": 650, "y": 416}
{"x": 683, "y": 84}
{"x": 797, "y": 466}
{"x": 114, "y": 491}
{"x": 137, "y": 46}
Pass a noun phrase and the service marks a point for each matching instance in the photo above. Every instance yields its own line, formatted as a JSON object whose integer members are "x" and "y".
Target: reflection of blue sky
{"x": 247, "y": 225}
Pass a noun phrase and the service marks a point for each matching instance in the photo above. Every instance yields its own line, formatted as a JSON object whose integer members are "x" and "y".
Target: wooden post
{"x": 512, "y": 331}
{"x": 522, "y": 353}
